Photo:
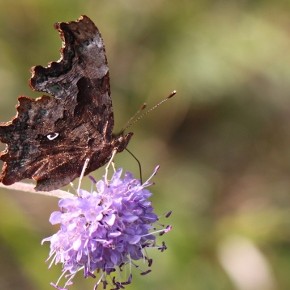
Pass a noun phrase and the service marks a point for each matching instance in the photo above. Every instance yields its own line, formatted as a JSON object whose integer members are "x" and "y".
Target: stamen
{"x": 150, "y": 262}
{"x": 146, "y": 272}
{"x": 168, "y": 214}
{"x": 99, "y": 281}
{"x": 147, "y": 183}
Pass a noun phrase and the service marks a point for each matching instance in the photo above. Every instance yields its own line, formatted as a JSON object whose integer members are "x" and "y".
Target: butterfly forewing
{"x": 51, "y": 137}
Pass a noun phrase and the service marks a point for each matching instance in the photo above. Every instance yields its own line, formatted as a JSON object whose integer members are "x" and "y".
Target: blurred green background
{"x": 223, "y": 142}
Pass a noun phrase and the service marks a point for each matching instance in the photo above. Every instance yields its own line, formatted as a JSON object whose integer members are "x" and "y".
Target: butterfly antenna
{"x": 131, "y": 120}
{"x": 136, "y": 117}
{"x": 139, "y": 164}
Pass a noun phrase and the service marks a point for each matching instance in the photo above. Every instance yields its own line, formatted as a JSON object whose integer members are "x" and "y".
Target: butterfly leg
{"x": 83, "y": 173}
{"x": 109, "y": 164}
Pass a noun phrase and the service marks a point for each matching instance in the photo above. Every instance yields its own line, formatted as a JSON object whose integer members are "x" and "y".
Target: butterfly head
{"x": 121, "y": 141}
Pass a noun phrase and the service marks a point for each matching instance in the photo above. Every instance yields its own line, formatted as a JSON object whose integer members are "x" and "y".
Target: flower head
{"x": 105, "y": 229}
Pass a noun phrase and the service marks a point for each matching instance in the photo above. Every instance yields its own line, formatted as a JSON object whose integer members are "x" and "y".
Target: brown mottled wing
{"x": 50, "y": 137}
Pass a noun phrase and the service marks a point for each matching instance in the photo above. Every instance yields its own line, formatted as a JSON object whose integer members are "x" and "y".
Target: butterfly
{"x": 51, "y": 137}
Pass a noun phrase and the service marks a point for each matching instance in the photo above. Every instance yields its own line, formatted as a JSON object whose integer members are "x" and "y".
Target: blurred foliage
{"x": 223, "y": 142}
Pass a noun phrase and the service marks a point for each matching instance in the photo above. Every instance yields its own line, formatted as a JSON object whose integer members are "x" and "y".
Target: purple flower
{"x": 104, "y": 230}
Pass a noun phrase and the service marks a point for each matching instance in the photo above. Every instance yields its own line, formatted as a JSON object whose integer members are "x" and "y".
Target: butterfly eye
{"x": 52, "y": 136}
